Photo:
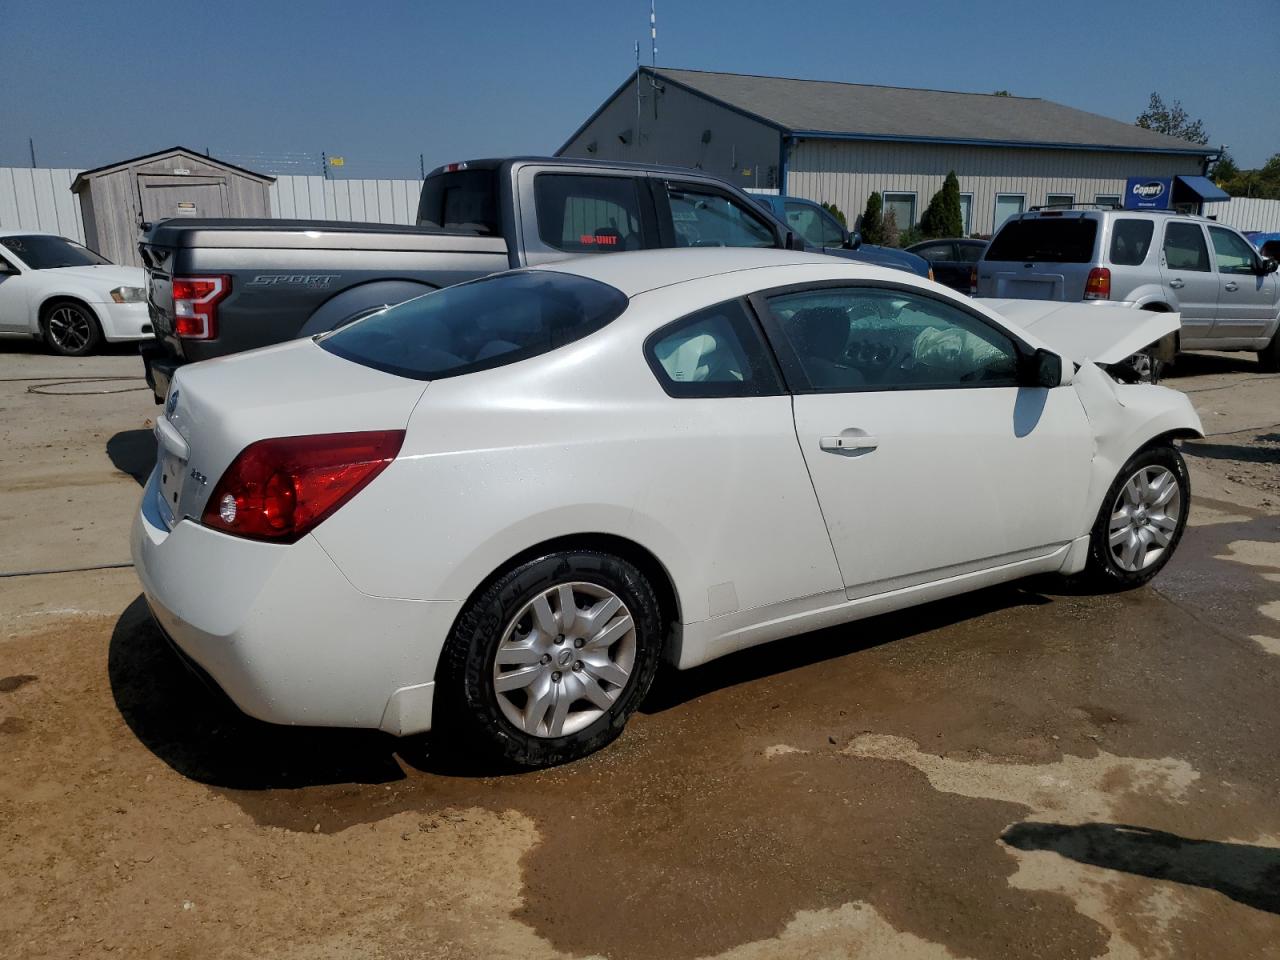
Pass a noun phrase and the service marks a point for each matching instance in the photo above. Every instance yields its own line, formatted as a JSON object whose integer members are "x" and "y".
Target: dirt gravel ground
{"x": 1023, "y": 772}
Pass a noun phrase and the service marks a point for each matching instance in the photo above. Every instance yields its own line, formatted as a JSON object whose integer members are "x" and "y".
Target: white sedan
{"x": 494, "y": 509}
{"x": 55, "y": 290}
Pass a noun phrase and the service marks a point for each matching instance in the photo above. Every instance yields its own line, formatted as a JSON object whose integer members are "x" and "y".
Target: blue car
{"x": 821, "y": 231}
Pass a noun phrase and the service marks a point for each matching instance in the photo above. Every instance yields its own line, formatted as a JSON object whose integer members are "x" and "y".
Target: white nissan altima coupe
{"x": 56, "y": 290}
{"x": 495, "y": 508}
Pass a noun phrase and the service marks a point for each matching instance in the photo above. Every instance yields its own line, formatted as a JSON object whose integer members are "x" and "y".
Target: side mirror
{"x": 852, "y": 240}
{"x": 1269, "y": 265}
{"x": 1044, "y": 368}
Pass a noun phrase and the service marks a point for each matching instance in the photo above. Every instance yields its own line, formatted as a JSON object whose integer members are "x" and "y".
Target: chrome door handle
{"x": 1231, "y": 286}
{"x": 1176, "y": 283}
{"x": 848, "y": 443}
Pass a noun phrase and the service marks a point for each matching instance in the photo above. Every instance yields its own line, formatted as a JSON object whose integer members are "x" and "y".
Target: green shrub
{"x": 836, "y": 212}
{"x": 872, "y": 227}
{"x": 942, "y": 218}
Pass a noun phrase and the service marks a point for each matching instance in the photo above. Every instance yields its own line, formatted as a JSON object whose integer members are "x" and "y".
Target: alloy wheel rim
{"x": 69, "y": 328}
{"x": 1144, "y": 518}
{"x": 564, "y": 659}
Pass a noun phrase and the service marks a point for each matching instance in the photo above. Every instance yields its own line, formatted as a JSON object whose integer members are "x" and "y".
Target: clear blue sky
{"x": 379, "y": 82}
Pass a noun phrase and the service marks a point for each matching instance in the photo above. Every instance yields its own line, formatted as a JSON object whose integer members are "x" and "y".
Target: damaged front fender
{"x": 1125, "y": 418}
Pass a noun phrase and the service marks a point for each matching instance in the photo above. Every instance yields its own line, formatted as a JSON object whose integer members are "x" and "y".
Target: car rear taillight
{"x": 973, "y": 281}
{"x": 279, "y": 489}
{"x": 1098, "y": 286}
{"x": 195, "y": 305}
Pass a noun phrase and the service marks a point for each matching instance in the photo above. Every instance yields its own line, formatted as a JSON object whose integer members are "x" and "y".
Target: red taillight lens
{"x": 973, "y": 281}
{"x": 280, "y": 489}
{"x": 195, "y": 305}
{"x": 1098, "y": 286}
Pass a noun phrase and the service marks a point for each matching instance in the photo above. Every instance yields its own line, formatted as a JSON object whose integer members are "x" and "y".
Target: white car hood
{"x": 106, "y": 276}
{"x": 1103, "y": 333}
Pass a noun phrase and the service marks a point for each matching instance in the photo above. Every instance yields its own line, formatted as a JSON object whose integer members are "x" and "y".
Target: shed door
{"x": 166, "y": 197}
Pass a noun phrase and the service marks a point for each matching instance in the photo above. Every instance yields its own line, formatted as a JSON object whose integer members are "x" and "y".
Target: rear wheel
{"x": 70, "y": 328}
{"x": 549, "y": 661}
{"x": 1141, "y": 520}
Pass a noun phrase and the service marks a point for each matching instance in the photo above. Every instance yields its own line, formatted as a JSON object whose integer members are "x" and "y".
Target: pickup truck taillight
{"x": 1098, "y": 286}
{"x": 195, "y": 305}
{"x": 279, "y": 489}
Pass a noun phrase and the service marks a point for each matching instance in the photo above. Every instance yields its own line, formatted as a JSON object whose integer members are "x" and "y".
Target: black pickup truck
{"x": 221, "y": 286}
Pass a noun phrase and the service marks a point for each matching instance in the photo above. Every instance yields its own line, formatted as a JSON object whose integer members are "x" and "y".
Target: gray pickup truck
{"x": 216, "y": 287}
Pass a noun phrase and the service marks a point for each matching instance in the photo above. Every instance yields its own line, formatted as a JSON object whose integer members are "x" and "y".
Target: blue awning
{"x": 1205, "y": 189}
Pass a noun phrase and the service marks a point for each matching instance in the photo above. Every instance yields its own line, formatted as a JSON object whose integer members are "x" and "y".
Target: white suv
{"x": 1227, "y": 293}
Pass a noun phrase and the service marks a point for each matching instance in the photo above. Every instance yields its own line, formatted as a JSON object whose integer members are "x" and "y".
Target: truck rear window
{"x": 478, "y": 325}
{"x": 465, "y": 201}
{"x": 1045, "y": 240}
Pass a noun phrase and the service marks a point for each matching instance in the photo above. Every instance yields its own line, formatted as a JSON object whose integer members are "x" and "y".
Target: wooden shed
{"x": 116, "y": 200}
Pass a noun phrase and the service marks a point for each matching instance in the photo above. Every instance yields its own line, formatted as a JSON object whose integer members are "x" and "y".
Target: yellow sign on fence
{"x": 337, "y": 161}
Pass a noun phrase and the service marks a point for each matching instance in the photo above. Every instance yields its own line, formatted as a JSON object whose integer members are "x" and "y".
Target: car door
{"x": 942, "y": 257}
{"x": 1246, "y": 296}
{"x": 15, "y": 310}
{"x": 928, "y": 459}
{"x": 1188, "y": 271}
{"x": 700, "y": 215}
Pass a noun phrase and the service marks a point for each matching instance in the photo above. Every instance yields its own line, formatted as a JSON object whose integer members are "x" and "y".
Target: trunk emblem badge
{"x": 199, "y": 477}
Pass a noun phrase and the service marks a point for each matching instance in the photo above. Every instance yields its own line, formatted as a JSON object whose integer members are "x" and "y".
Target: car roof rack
{"x": 1073, "y": 205}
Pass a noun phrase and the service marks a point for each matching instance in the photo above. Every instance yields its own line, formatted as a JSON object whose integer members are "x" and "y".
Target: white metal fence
{"x": 41, "y": 199}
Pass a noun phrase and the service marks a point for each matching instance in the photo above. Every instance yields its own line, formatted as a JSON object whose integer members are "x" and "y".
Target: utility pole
{"x": 324, "y": 165}
{"x": 653, "y": 33}
{"x": 32, "y": 144}
{"x": 422, "y": 167}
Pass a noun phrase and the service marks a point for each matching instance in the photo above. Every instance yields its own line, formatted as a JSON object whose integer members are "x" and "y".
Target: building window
{"x": 903, "y": 208}
{"x": 966, "y": 212}
{"x": 1008, "y": 205}
{"x": 1060, "y": 199}
{"x": 1107, "y": 199}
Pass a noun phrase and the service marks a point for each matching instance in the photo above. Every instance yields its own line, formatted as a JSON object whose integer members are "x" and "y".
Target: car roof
{"x": 28, "y": 233}
{"x": 637, "y": 272}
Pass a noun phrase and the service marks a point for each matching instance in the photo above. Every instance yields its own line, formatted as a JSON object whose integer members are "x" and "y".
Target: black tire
{"x": 1102, "y": 571}
{"x": 470, "y": 709}
{"x": 69, "y": 328}
{"x": 1269, "y": 356}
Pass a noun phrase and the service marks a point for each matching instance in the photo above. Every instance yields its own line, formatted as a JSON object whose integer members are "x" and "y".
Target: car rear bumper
{"x": 283, "y": 633}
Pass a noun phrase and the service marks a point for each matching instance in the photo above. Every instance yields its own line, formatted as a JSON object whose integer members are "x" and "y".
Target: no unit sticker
{"x": 186, "y": 208}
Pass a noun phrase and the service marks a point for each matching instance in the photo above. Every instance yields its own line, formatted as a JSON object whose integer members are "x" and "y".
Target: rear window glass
{"x": 1045, "y": 240}
{"x": 1130, "y": 241}
{"x": 465, "y": 201}
{"x": 479, "y": 325}
{"x": 586, "y": 214}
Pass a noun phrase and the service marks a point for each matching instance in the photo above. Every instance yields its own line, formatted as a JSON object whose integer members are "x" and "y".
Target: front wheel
{"x": 548, "y": 662}
{"x": 70, "y": 329}
{"x": 1141, "y": 520}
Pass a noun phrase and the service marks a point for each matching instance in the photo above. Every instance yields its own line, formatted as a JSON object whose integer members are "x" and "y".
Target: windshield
{"x": 478, "y": 325}
{"x": 1045, "y": 240}
{"x": 43, "y": 252}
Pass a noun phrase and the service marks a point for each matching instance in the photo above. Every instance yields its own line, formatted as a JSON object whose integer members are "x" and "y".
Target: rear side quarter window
{"x": 1130, "y": 241}
{"x": 716, "y": 352}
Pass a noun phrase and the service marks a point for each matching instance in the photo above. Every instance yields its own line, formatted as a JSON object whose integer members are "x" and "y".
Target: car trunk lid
{"x": 217, "y": 408}
{"x": 1101, "y": 333}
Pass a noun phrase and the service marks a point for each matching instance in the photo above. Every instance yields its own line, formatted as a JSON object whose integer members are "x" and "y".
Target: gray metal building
{"x": 117, "y": 199}
{"x": 839, "y": 142}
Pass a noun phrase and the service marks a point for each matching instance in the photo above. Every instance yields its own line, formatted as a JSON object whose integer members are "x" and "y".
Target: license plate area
{"x": 169, "y": 490}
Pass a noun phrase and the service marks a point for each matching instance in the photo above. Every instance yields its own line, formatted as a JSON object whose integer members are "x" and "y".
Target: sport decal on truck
{"x": 294, "y": 279}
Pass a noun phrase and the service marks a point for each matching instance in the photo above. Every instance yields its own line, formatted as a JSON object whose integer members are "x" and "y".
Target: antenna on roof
{"x": 653, "y": 33}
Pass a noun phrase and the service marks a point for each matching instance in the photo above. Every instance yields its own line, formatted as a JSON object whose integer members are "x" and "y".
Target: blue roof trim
{"x": 1205, "y": 189}
{"x": 1026, "y": 144}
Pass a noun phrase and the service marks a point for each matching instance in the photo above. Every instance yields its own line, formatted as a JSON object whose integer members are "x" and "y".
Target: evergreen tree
{"x": 872, "y": 228}
{"x": 942, "y": 218}
{"x": 1171, "y": 119}
{"x": 835, "y": 211}
{"x": 892, "y": 235}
